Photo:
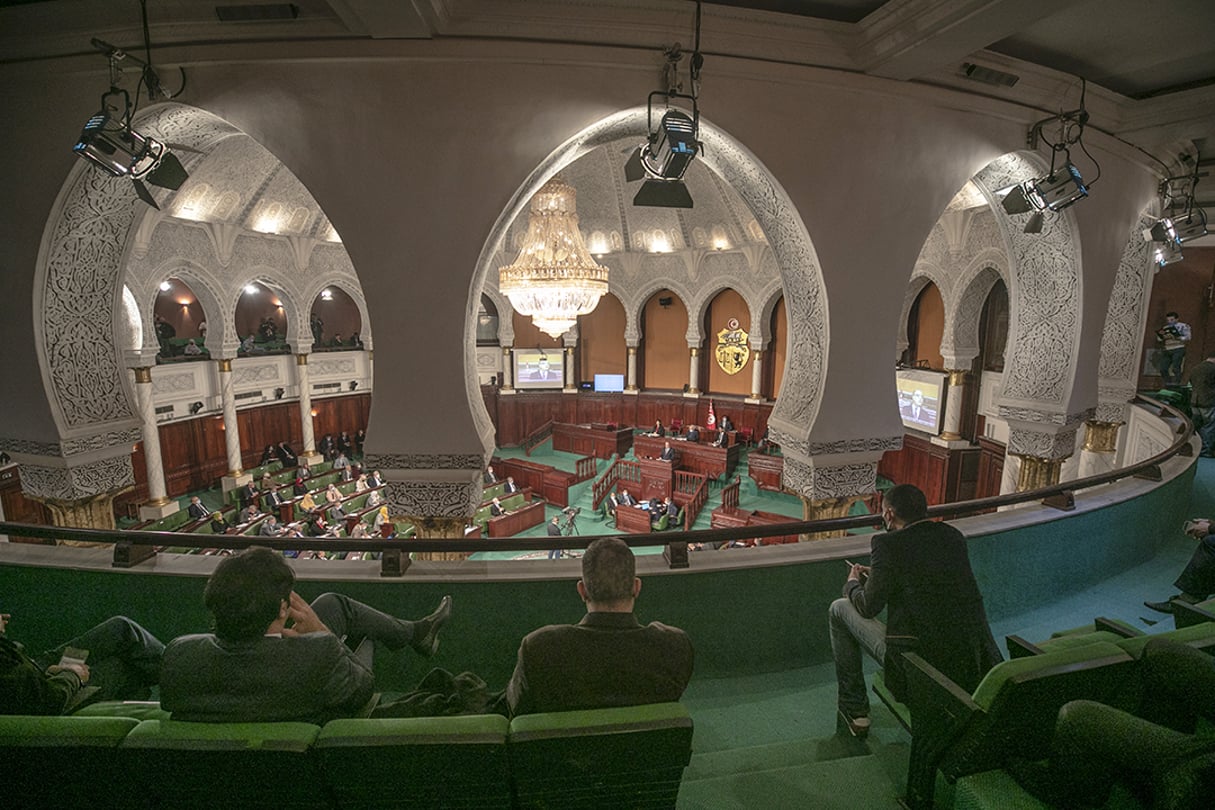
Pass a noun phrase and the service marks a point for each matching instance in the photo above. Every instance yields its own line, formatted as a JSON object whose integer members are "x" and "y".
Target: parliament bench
{"x": 623, "y": 757}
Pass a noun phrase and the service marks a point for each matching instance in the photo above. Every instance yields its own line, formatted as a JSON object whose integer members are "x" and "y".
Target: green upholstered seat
{"x": 1011, "y": 713}
{"x": 456, "y": 761}
{"x": 64, "y": 762}
{"x": 134, "y": 709}
{"x": 1201, "y": 636}
{"x": 627, "y": 757}
{"x": 1100, "y": 629}
{"x": 1185, "y": 614}
{"x": 183, "y": 765}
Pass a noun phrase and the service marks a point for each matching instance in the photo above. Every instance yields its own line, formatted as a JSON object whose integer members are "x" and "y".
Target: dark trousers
{"x": 1154, "y": 751}
{"x": 1198, "y": 577}
{"x": 353, "y": 622}
{"x": 123, "y": 660}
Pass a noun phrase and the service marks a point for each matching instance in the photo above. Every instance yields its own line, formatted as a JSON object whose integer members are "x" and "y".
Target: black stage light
{"x": 195, "y": 407}
{"x": 1191, "y": 225}
{"x": 1016, "y": 201}
{"x": 663, "y": 194}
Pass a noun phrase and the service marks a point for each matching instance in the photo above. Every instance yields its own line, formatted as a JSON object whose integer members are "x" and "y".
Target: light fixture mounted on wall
{"x": 108, "y": 140}
{"x": 672, "y": 144}
{"x": 1181, "y": 221}
{"x": 1063, "y": 185}
{"x": 196, "y": 406}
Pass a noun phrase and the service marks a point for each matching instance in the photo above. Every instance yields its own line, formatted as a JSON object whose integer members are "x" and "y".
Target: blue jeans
{"x": 852, "y": 634}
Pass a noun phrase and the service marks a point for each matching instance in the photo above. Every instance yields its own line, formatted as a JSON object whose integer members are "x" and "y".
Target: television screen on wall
{"x": 921, "y": 398}
{"x": 538, "y": 368}
{"x": 609, "y": 382}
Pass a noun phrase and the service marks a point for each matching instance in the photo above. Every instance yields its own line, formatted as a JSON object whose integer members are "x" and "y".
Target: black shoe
{"x": 428, "y": 642}
{"x": 1159, "y": 607}
{"x": 856, "y": 724}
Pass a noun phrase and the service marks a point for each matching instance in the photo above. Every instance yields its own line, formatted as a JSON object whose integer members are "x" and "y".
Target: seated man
{"x": 511, "y": 487}
{"x": 1197, "y": 580}
{"x": 625, "y": 499}
{"x": 374, "y": 480}
{"x": 304, "y": 472}
{"x": 668, "y": 453}
{"x": 249, "y": 513}
{"x": 496, "y": 509}
{"x": 275, "y": 657}
{"x": 490, "y": 477}
{"x": 271, "y": 500}
{"x": 920, "y": 574}
{"x": 608, "y": 659}
{"x": 196, "y": 510}
{"x": 247, "y": 493}
{"x": 1154, "y": 751}
{"x": 286, "y": 454}
{"x": 693, "y": 434}
{"x": 721, "y": 438}
{"x": 116, "y": 660}
{"x": 270, "y": 527}
{"x": 374, "y": 498}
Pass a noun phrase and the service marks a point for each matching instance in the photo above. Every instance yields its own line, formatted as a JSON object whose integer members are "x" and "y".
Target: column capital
{"x": 143, "y": 375}
{"x": 224, "y": 365}
{"x": 958, "y": 376}
{"x": 1036, "y": 472}
{"x": 1101, "y": 437}
{"x": 301, "y": 359}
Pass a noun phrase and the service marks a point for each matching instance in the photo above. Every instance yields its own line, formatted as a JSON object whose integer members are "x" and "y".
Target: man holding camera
{"x": 1172, "y": 337}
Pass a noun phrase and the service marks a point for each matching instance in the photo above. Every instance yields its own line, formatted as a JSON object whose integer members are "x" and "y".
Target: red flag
{"x": 712, "y": 420}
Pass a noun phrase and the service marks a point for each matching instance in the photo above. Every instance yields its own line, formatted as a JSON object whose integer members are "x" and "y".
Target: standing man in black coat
{"x": 920, "y": 574}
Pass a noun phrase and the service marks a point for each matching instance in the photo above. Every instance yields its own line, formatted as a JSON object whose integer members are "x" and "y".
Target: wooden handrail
{"x": 537, "y": 436}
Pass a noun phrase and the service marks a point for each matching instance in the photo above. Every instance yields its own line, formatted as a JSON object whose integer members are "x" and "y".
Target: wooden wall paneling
{"x": 990, "y": 472}
{"x": 18, "y": 508}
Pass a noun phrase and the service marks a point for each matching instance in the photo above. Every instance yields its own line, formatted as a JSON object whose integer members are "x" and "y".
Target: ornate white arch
{"x": 308, "y": 296}
{"x": 1122, "y": 333}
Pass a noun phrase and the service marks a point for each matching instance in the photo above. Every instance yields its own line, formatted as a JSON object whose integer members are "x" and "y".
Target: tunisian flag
{"x": 711, "y": 421}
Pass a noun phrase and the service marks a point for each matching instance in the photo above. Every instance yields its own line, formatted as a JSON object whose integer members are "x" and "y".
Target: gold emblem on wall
{"x": 732, "y": 349}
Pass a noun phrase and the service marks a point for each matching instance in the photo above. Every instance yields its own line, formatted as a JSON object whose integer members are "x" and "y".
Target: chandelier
{"x": 554, "y": 279}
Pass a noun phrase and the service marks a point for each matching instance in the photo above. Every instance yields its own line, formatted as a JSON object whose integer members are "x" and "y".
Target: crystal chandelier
{"x": 554, "y": 279}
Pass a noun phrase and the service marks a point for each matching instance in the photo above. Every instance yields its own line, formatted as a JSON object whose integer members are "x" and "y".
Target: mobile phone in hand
{"x": 73, "y": 657}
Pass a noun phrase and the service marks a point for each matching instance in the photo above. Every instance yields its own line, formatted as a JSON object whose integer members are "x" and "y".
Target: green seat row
{"x": 482, "y": 515}
{"x": 628, "y": 757}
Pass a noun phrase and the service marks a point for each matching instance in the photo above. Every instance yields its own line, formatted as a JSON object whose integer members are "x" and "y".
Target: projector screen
{"x": 538, "y": 368}
{"x": 609, "y": 382}
{"x": 921, "y": 398}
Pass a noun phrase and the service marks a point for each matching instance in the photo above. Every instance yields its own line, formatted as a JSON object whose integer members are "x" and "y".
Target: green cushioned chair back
{"x": 424, "y": 762}
{"x": 629, "y": 757}
{"x": 134, "y": 709}
{"x": 209, "y": 765}
{"x": 65, "y": 762}
{"x": 1201, "y": 636}
{"x": 1071, "y": 640}
{"x": 1022, "y": 697}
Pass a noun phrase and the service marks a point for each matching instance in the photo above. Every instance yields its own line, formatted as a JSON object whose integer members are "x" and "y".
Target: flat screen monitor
{"x": 539, "y": 368}
{"x": 921, "y": 398}
{"x": 609, "y": 382}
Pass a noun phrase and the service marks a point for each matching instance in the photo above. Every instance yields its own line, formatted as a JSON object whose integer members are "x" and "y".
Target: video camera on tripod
{"x": 571, "y": 514}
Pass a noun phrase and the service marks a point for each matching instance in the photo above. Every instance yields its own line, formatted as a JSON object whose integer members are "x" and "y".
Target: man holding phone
{"x": 920, "y": 574}
{"x": 116, "y": 660}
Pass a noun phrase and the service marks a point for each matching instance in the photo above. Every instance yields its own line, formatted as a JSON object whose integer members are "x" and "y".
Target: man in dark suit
{"x": 374, "y": 480}
{"x": 722, "y": 439}
{"x": 271, "y": 500}
{"x": 496, "y": 509}
{"x": 920, "y": 574}
{"x": 693, "y": 434}
{"x": 726, "y": 425}
{"x": 511, "y": 486}
{"x": 275, "y": 657}
{"x": 247, "y": 493}
{"x": 554, "y": 530}
{"x": 490, "y": 477}
{"x": 625, "y": 499}
{"x": 608, "y": 659}
{"x": 196, "y": 510}
{"x": 667, "y": 453}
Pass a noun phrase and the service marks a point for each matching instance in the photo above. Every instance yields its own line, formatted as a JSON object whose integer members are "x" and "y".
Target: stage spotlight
{"x": 123, "y": 152}
{"x": 1161, "y": 231}
{"x": 1191, "y": 225}
{"x": 1059, "y": 189}
{"x": 663, "y": 194}
{"x": 1167, "y": 253}
{"x": 664, "y": 158}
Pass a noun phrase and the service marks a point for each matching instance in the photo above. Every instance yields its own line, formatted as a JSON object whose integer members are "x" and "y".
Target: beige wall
{"x": 665, "y": 344}
{"x": 728, "y": 304}
{"x": 601, "y": 339}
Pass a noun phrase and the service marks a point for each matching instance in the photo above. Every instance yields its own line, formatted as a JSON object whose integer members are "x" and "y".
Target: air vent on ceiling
{"x": 988, "y": 75}
{"x": 249, "y": 395}
{"x": 258, "y": 12}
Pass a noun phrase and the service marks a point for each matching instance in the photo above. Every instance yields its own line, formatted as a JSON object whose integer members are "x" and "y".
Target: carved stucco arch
{"x": 765, "y": 300}
{"x": 506, "y": 321}
{"x": 281, "y": 285}
{"x": 923, "y": 275}
{"x": 201, "y": 283}
{"x": 79, "y": 279}
{"x": 1122, "y": 332}
{"x": 308, "y": 295}
{"x": 960, "y": 341}
{"x": 805, "y": 292}
{"x": 699, "y": 306}
{"x": 634, "y": 305}
{"x": 1044, "y": 291}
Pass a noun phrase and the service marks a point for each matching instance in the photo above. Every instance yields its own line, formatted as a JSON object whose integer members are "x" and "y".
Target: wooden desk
{"x": 766, "y": 470}
{"x": 633, "y": 520}
{"x": 592, "y": 440}
{"x": 715, "y": 462}
{"x": 723, "y": 518}
{"x": 527, "y": 474}
{"x": 517, "y": 521}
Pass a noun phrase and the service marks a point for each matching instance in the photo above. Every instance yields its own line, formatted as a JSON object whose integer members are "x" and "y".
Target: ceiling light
{"x": 326, "y": 294}
{"x": 251, "y": 289}
{"x": 554, "y": 280}
{"x": 165, "y": 286}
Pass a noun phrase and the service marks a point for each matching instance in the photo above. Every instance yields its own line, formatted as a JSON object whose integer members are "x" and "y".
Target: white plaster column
{"x": 959, "y": 378}
{"x": 158, "y": 504}
{"x": 570, "y": 386}
{"x": 236, "y": 476}
{"x": 1098, "y": 453}
{"x": 631, "y": 384}
{"x": 303, "y": 381}
{"x": 757, "y": 372}
{"x": 693, "y": 372}
{"x": 508, "y": 372}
